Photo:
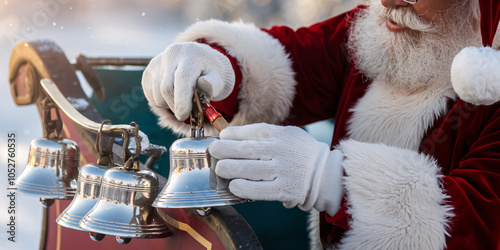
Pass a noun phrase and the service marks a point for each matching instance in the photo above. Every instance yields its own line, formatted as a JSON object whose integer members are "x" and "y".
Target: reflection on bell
{"x": 52, "y": 170}
{"x": 124, "y": 206}
{"x": 192, "y": 181}
{"x": 87, "y": 195}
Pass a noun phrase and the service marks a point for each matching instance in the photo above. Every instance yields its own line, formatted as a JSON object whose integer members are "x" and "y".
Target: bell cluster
{"x": 120, "y": 200}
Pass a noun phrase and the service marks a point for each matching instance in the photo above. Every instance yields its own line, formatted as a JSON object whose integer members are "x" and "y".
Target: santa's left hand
{"x": 276, "y": 163}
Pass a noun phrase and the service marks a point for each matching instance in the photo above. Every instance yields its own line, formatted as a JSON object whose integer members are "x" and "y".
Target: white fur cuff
{"x": 395, "y": 198}
{"x": 268, "y": 85}
{"x": 475, "y": 75}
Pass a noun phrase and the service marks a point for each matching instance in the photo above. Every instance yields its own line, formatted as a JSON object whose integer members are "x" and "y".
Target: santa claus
{"x": 415, "y": 156}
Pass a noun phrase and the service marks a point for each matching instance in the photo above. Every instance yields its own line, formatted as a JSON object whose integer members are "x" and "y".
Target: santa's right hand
{"x": 171, "y": 77}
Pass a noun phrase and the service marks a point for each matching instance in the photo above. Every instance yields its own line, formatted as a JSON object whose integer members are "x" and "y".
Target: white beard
{"x": 410, "y": 73}
{"x": 415, "y": 59}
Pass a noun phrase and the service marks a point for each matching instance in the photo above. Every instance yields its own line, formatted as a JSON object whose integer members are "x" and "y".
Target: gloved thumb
{"x": 212, "y": 85}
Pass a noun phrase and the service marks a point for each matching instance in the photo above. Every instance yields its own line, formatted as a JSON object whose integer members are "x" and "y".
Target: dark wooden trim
{"x": 43, "y": 237}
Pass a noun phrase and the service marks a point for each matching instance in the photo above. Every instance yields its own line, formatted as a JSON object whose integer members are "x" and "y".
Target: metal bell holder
{"x": 192, "y": 181}
{"x": 88, "y": 186}
{"x": 52, "y": 169}
{"x": 124, "y": 208}
{"x": 126, "y": 193}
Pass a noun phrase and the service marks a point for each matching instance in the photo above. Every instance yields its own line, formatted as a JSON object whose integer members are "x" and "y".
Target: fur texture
{"x": 388, "y": 116}
{"x": 266, "y": 71}
{"x": 475, "y": 75}
{"x": 379, "y": 176}
{"x": 313, "y": 229}
{"x": 395, "y": 198}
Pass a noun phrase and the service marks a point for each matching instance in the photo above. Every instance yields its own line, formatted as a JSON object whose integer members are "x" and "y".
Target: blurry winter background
{"x": 116, "y": 28}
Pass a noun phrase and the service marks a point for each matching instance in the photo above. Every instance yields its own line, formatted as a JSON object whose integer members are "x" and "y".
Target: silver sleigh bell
{"x": 192, "y": 181}
{"x": 87, "y": 194}
{"x": 88, "y": 187}
{"x": 124, "y": 208}
{"x": 52, "y": 169}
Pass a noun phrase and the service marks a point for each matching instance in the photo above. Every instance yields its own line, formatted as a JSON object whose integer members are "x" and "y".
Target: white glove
{"x": 286, "y": 164}
{"x": 170, "y": 78}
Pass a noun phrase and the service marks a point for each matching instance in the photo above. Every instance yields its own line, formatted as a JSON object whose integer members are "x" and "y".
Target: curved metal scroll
{"x": 62, "y": 103}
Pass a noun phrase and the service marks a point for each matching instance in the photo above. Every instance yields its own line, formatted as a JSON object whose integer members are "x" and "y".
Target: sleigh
{"x": 118, "y": 97}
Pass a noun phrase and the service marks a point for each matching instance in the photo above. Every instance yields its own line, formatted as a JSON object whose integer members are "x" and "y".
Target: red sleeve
{"x": 473, "y": 181}
{"x": 229, "y": 106}
{"x": 320, "y": 63}
{"x": 466, "y": 145}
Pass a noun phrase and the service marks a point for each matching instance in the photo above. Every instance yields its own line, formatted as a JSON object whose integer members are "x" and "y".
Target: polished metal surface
{"x": 124, "y": 206}
{"x": 192, "y": 181}
{"x": 87, "y": 195}
{"x": 111, "y": 130}
{"x": 52, "y": 169}
{"x": 114, "y": 61}
{"x": 63, "y": 104}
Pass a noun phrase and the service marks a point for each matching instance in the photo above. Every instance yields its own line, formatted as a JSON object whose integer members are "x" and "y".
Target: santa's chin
{"x": 394, "y": 27}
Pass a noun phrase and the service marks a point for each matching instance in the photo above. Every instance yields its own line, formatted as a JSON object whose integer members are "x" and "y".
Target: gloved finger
{"x": 184, "y": 82}
{"x": 255, "y": 190}
{"x": 205, "y": 86}
{"x": 246, "y": 169}
{"x": 212, "y": 84}
{"x": 166, "y": 87}
{"x": 250, "y": 150}
{"x": 259, "y": 131}
{"x": 151, "y": 78}
{"x": 290, "y": 204}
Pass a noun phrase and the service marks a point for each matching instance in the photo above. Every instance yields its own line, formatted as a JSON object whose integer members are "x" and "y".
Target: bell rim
{"x": 92, "y": 224}
{"x": 67, "y": 221}
{"x": 44, "y": 191}
{"x": 206, "y": 198}
{"x": 71, "y": 219}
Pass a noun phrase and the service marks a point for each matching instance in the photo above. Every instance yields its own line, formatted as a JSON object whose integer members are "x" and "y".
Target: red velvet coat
{"x": 465, "y": 142}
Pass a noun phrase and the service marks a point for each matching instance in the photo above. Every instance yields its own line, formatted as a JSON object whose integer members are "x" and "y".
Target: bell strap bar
{"x": 115, "y": 61}
{"x": 118, "y": 130}
{"x": 58, "y": 98}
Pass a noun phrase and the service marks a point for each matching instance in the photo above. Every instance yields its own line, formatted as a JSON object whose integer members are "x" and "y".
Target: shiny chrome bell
{"x": 192, "y": 181}
{"x": 88, "y": 186}
{"x": 52, "y": 170}
{"x": 87, "y": 195}
{"x": 124, "y": 206}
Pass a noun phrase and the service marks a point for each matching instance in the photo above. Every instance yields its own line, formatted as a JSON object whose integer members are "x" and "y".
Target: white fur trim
{"x": 268, "y": 85}
{"x": 313, "y": 228}
{"x": 395, "y": 198}
{"x": 475, "y": 75}
{"x": 397, "y": 119}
